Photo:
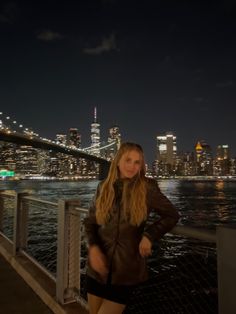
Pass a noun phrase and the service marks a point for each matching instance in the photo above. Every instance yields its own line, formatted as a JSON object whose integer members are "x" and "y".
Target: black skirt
{"x": 116, "y": 293}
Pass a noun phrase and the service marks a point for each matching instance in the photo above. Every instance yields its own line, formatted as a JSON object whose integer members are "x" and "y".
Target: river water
{"x": 200, "y": 203}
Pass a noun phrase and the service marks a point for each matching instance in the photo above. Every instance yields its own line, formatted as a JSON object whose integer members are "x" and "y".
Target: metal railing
{"x": 191, "y": 270}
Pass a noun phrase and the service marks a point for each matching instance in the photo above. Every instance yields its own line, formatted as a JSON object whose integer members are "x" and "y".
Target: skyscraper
{"x": 95, "y": 135}
{"x": 74, "y": 138}
{"x": 222, "y": 161}
{"x": 166, "y": 148}
{"x": 61, "y": 139}
{"x": 203, "y": 158}
{"x": 62, "y": 161}
{"x": 166, "y": 154}
{"x": 222, "y": 152}
{"x": 114, "y": 137}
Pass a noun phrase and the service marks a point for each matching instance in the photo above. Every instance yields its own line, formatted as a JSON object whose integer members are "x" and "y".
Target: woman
{"x": 118, "y": 237}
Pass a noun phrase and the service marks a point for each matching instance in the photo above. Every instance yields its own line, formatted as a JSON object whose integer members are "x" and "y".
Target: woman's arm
{"x": 90, "y": 222}
{"x": 168, "y": 214}
{"x": 97, "y": 259}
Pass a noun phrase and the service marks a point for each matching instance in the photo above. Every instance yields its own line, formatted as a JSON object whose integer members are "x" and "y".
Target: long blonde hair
{"x": 134, "y": 190}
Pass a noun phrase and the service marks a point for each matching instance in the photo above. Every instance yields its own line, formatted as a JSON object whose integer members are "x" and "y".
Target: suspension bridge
{"x": 13, "y": 132}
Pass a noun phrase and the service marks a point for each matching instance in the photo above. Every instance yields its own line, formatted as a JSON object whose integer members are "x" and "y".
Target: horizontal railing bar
{"x": 34, "y": 199}
{"x": 81, "y": 210}
{"x": 7, "y": 193}
{"x": 196, "y": 233}
{"x": 5, "y": 237}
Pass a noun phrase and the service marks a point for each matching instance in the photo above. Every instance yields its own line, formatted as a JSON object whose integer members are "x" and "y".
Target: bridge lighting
{"x": 7, "y": 118}
{"x": 14, "y": 122}
{"x": 21, "y": 125}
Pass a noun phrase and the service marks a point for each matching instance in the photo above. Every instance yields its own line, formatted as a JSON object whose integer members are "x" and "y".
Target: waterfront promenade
{"x": 26, "y": 289}
{"x": 16, "y": 296}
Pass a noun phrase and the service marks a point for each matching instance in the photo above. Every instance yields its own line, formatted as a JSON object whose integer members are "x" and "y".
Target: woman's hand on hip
{"x": 145, "y": 247}
{"x": 98, "y": 260}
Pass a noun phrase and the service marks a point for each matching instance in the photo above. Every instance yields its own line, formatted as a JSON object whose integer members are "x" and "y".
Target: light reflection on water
{"x": 204, "y": 204}
{"x": 54, "y": 190}
{"x": 201, "y": 204}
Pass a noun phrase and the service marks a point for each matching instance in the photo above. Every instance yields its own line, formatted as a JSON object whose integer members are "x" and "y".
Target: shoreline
{"x": 180, "y": 178}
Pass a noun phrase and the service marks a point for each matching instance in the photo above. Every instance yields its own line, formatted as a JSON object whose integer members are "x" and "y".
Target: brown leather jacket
{"x": 119, "y": 240}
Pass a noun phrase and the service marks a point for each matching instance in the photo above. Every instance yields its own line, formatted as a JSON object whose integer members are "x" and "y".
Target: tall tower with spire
{"x": 95, "y": 135}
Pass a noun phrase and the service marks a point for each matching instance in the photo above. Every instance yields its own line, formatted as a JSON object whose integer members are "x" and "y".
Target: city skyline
{"x": 148, "y": 66}
{"x": 26, "y": 160}
{"x": 103, "y": 139}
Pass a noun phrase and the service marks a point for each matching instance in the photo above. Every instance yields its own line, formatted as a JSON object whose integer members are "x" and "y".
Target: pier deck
{"x": 16, "y": 296}
{"x": 26, "y": 289}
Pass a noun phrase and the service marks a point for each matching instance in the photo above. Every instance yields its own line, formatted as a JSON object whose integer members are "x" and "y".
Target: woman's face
{"x": 130, "y": 164}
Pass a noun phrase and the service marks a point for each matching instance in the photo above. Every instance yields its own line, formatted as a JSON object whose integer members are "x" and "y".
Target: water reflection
{"x": 204, "y": 204}
{"x": 219, "y": 185}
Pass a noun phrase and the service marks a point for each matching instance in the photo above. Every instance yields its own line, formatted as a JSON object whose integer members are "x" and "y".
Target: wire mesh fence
{"x": 183, "y": 279}
{"x": 42, "y": 232}
{"x": 7, "y": 203}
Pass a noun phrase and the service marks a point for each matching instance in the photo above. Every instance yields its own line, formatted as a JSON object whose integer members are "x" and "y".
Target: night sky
{"x": 148, "y": 66}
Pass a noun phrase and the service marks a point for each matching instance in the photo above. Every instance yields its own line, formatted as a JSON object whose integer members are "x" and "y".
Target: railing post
{"x": 68, "y": 252}
{"x": 20, "y": 226}
{"x": 226, "y": 260}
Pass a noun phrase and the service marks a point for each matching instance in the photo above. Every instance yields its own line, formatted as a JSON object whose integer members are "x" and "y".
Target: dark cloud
{"x": 106, "y": 45}
{"x": 48, "y": 35}
{"x": 9, "y": 13}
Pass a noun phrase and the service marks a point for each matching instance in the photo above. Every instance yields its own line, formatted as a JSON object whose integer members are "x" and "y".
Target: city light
{"x": 168, "y": 163}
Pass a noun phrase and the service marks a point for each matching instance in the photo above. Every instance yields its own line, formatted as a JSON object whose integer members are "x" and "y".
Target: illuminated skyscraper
{"x": 166, "y": 148}
{"x": 61, "y": 162}
{"x": 222, "y": 162}
{"x": 61, "y": 139}
{"x": 74, "y": 142}
{"x": 222, "y": 152}
{"x": 74, "y": 138}
{"x": 203, "y": 158}
{"x": 115, "y": 137}
{"x": 166, "y": 154}
{"x": 27, "y": 160}
{"x": 7, "y": 155}
{"x": 199, "y": 151}
{"x": 95, "y": 135}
